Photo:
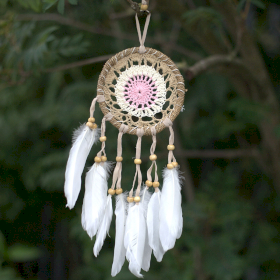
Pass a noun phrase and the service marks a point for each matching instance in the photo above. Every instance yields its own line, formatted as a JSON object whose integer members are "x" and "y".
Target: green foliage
{"x": 257, "y": 3}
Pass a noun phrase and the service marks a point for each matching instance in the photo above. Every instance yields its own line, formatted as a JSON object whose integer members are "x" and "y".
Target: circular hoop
{"x": 141, "y": 90}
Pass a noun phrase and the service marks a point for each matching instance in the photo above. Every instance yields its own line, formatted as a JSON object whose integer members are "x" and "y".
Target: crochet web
{"x": 141, "y": 90}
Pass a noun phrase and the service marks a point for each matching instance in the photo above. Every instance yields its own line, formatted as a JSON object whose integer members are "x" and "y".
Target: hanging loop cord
{"x": 142, "y": 38}
{"x": 107, "y": 117}
{"x": 168, "y": 123}
{"x": 117, "y": 175}
{"x": 152, "y": 152}
{"x": 140, "y": 133}
{"x": 98, "y": 98}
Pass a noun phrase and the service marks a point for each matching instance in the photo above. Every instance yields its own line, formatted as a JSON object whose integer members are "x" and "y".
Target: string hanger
{"x": 141, "y": 37}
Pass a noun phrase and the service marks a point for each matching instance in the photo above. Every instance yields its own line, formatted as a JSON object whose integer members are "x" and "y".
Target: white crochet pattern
{"x": 141, "y": 91}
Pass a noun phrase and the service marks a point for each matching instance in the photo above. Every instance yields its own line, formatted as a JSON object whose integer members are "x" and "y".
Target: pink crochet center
{"x": 140, "y": 92}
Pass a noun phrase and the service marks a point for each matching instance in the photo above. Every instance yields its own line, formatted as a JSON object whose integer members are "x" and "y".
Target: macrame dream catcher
{"x": 140, "y": 91}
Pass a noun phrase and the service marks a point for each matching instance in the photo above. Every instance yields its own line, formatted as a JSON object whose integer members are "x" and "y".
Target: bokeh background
{"x": 227, "y": 138}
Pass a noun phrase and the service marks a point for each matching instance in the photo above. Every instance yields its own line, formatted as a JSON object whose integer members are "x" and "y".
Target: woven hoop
{"x": 141, "y": 90}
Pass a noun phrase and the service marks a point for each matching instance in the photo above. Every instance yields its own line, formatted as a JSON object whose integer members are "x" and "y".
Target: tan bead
{"x": 119, "y": 159}
{"x": 111, "y": 191}
{"x": 94, "y": 126}
{"x": 144, "y": 7}
{"x": 103, "y": 158}
{"x": 148, "y": 183}
{"x": 153, "y": 157}
{"x": 175, "y": 164}
{"x": 130, "y": 199}
{"x": 119, "y": 191}
{"x": 137, "y": 161}
{"x": 155, "y": 184}
{"x": 170, "y": 166}
{"x": 97, "y": 159}
{"x": 103, "y": 138}
{"x": 170, "y": 147}
{"x": 90, "y": 125}
{"x": 137, "y": 199}
{"x": 92, "y": 120}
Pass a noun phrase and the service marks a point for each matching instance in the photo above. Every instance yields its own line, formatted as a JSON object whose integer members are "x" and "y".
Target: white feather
{"x": 137, "y": 252}
{"x": 170, "y": 217}
{"x": 153, "y": 225}
{"x": 145, "y": 198}
{"x": 119, "y": 251}
{"x": 104, "y": 226}
{"x": 83, "y": 139}
{"x": 94, "y": 204}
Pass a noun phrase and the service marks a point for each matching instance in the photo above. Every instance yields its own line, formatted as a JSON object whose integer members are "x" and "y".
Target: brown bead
{"x": 119, "y": 159}
{"x": 144, "y": 7}
{"x": 148, "y": 183}
{"x": 170, "y": 147}
{"x": 130, "y": 199}
{"x": 155, "y": 184}
{"x": 103, "y": 158}
{"x": 175, "y": 164}
{"x": 103, "y": 138}
{"x": 153, "y": 157}
{"x": 119, "y": 191}
{"x": 137, "y": 199}
{"x": 97, "y": 159}
{"x": 94, "y": 126}
{"x": 137, "y": 161}
{"x": 170, "y": 166}
{"x": 92, "y": 120}
{"x": 111, "y": 191}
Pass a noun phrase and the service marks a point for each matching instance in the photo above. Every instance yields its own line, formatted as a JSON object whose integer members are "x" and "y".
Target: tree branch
{"x": 79, "y": 63}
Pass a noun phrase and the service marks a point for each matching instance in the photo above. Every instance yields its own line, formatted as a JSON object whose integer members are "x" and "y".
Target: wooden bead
{"x": 137, "y": 199}
{"x": 111, "y": 191}
{"x": 153, "y": 157}
{"x": 175, "y": 164}
{"x": 170, "y": 166}
{"x": 103, "y": 138}
{"x": 170, "y": 147}
{"x": 119, "y": 159}
{"x": 119, "y": 191}
{"x": 103, "y": 158}
{"x": 144, "y": 7}
{"x": 92, "y": 120}
{"x": 90, "y": 125}
{"x": 97, "y": 159}
{"x": 155, "y": 184}
{"x": 94, "y": 126}
{"x": 137, "y": 161}
{"x": 130, "y": 199}
{"x": 148, "y": 183}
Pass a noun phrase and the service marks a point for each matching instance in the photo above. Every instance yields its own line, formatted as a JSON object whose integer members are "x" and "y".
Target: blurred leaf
{"x": 73, "y": 2}
{"x": 60, "y": 6}
{"x": 23, "y": 253}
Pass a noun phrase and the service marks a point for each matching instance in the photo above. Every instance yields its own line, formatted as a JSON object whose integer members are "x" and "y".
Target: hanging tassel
{"x": 171, "y": 220}
{"x": 154, "y": 204}
{"x": 94, "y": 203}
{"x": 104, "y": 226}
{"x": 135, "y": 233}
{"x": 83, "y": 139}
{"x": 121, "y": 209}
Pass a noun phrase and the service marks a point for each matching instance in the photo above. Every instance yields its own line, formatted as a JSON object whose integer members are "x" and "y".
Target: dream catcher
{"x": 140, "y": 91}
